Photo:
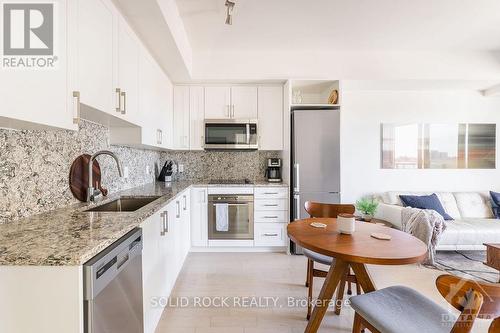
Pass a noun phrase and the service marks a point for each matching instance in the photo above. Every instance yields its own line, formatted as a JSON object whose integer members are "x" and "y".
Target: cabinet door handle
{"x": 119, "y": 96}
{"x": 232, "y": 111}
{"x": 178, "y": 209}
{"x": 271, "y": 205}
{"x": 271, "y": 235}
{"x": 162, "y": 216}
{"x": 185, "y": 203}
{"x": 271, "y": 193}
{"x": 124, "y": 95}
{"x": 270, "y": 217}
{"x": 166, "y": 221}
{"x": 76, "y": 95}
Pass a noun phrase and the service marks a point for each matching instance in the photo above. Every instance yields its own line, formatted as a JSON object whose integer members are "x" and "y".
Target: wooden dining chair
{"x": 316, "y": 210}
{"x": 388, "y": 310}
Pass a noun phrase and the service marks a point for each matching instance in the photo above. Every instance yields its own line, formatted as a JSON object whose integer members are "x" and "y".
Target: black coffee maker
{"x": 273, "y": 171}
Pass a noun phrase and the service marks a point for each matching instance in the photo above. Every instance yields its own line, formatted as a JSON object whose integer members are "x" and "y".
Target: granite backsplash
{"x": 221, "y": 164}
{"x": 34, "y": 166}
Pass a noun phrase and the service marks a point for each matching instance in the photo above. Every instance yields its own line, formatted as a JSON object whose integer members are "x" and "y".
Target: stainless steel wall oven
{"x": 239, "y": 210}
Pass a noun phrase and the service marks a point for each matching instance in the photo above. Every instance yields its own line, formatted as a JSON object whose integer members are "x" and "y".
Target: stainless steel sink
{"x": 123, "y": 204}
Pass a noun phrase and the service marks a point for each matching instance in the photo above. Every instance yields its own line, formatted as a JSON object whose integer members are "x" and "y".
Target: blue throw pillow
{"x": 425, "y": 202}
{"x": 495, "y": 203}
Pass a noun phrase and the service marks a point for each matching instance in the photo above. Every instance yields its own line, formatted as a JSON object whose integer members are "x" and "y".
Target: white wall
{"x": 364, "y": 111}
{"x": 361, "y": 65}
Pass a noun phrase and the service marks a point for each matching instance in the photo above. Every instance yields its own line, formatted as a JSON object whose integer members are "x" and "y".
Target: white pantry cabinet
{"x": 39, "y": 98}
{"x": 270, "y": 115}
{"x": 181, "y": 117}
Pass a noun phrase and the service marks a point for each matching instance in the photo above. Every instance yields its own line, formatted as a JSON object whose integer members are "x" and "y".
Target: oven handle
{"x": 231, "y": 204}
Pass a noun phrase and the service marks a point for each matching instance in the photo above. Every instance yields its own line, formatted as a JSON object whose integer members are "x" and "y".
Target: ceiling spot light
{"x": 229, "y": 12}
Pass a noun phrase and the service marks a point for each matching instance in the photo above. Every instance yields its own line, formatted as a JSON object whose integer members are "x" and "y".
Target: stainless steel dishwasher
{"x": 113, "y": 287}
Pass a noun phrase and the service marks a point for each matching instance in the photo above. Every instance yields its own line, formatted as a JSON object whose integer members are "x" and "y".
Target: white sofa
{"x": 473, "y": 224}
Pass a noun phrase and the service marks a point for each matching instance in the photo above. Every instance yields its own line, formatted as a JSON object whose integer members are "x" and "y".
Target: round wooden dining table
{"x": 353, "y": 252}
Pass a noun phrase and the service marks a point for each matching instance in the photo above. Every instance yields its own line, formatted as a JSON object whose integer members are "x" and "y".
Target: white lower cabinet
{"x": 270, "y": 234}
{"x": 166, "y": 245}
{"x": 186, "y": 221}
{"x": 152, "y": 270}
{"x": 199, "y": 217}
{"x": 271, "y": 216}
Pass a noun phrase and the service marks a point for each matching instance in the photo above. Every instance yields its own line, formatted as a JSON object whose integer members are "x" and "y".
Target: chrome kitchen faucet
{"x": 92, "y": 192}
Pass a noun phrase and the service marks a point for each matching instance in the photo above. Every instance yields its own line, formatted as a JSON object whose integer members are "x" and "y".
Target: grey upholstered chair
{"x": 401, "y": 309}
{"x": 315, "y": 209}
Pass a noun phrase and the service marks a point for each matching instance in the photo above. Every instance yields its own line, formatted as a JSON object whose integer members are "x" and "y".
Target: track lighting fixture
{"x": 229, "y": 12}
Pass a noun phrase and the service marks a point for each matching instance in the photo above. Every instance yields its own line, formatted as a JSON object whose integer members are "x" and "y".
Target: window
{"x": 438, "y": 146}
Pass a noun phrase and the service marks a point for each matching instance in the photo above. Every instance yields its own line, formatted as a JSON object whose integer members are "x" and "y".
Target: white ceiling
{"x": 343, "y": 25}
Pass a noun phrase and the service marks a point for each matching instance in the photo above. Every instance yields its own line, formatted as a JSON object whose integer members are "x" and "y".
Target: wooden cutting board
{"x": 79, "y": 177}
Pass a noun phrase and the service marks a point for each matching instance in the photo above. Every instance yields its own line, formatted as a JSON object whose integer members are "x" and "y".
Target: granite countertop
{"x": 70, "y": 236}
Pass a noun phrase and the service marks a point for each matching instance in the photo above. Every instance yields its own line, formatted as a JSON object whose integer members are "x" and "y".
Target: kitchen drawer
{"x": 270, "y": 234}
{"x": 271, "y": 204}
{"x": 271, "y": 216}
{"x": 271, "y": 192}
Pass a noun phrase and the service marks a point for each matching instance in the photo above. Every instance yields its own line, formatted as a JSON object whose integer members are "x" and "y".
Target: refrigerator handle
{"x": 296, "y": 166}
{"x": 296, "y": 199}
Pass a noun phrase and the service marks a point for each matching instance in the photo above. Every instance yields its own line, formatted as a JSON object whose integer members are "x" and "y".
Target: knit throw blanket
{"x": 425, "y": 224}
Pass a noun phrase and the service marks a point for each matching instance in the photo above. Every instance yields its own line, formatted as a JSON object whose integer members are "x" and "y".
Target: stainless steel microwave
{"x": 231, "y": 134}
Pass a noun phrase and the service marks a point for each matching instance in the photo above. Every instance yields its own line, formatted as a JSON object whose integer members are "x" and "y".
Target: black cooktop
{"x": 230, "y": 181}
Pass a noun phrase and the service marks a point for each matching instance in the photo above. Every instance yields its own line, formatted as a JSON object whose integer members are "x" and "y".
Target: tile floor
{"x": 274, "y": 277}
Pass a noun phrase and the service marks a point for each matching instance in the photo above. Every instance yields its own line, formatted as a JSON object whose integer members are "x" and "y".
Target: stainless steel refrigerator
{"x": 315, "y": 160}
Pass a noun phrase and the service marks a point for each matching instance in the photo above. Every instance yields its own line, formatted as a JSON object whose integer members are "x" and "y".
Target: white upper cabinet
{"x": 36, "y": 98}
{"x": 196, "y": 117}
{"x": 270, "y": 114}
{"x": 193, "y": 104}
{"x": 95, "y": 26}
{"x": 244, "y": 102}
{"x": 181, "y": 117}
{"x": 155, "y": 109}
{"x": 164, "y": 115}
{"x": 127, "y": 87}
{"x": 155, "y": 91}
{"x": 217, "y": 102}
{"x": 236, "y": 102}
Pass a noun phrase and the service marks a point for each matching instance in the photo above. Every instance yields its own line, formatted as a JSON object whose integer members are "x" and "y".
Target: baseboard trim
{"x": 282, "y": 249}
